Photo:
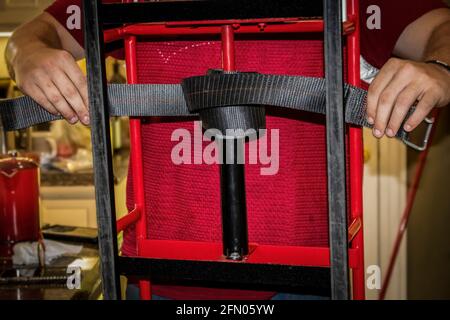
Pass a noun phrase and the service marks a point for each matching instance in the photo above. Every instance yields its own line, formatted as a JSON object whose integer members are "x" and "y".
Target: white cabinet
{"x": 75, "y": 205}
{"x": 384, "y": 202}
{"x": 68, "y": 205}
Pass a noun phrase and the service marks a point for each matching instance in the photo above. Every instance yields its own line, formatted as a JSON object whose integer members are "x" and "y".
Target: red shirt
{"x": 289, "y": 208}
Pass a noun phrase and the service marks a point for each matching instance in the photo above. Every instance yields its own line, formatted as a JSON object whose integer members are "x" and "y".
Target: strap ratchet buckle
{"x": 429, "y": 123}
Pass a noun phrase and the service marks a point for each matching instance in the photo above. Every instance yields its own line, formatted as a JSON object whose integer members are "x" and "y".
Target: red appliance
{"x": 19, "y": 202}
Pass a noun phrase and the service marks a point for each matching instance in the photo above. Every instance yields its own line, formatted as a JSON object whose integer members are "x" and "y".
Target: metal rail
{"x": 336, "y": 160}
{"x": 209, "y": 10}
{"x": 101, "y": 149}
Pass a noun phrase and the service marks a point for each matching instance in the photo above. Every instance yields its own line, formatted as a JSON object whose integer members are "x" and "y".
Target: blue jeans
{"x": 133, "y": 294}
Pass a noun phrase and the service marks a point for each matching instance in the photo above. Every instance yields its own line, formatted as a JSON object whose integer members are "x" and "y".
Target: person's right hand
{"x": 53, "y": 79}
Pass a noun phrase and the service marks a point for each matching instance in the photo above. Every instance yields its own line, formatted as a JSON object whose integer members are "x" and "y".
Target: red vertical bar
{"x": 356, "y": 153}
{"x": 228, "y": 61}
{"x": 136, "y": 142}
{"x": 136, "y": 161}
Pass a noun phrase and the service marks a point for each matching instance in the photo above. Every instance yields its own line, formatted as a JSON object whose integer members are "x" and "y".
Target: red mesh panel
{"x": 183, "y": 202}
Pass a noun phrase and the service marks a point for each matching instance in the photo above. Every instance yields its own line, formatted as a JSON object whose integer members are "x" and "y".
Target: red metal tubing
{"x": 136, "y": 163}
{"x": 214, "y": 27}
{"x": 228, "y": 61}
{"x": 197, "y": 23}
{"x": 407, "y": 212}
{"x": 163, "y": 29}
{"x": 113, "y": 34}
{"x": 136, "y": 143}
{"x": 356, "y": 152}
{"x": 129, "y": 219}
{"x": 263, "y": 254}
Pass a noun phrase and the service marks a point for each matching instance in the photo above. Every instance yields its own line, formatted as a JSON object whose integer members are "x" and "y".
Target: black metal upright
{"x": 101, "y": 148}
{"x": 336, "y": 160}
{"x": 233, "y": 201}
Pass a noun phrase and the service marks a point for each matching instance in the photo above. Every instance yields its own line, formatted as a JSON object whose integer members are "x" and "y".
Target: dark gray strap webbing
{"x": 124, "y": 100}
{"x": 200, "y": 93}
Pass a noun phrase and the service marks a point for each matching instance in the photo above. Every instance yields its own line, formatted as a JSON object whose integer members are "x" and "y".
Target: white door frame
{"x": 385, "y": 188}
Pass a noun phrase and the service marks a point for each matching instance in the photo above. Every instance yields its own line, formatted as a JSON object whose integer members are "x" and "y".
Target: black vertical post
{"x": 234, "y": 207}
{"x": 336, "y": 163}
{"x": 101, "y": 149}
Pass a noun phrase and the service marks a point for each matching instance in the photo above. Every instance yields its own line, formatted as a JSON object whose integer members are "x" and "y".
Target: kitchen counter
{"x": 57, "y": 290}
{"x": 54, "y": 178}
{"x": 69, "y": 198}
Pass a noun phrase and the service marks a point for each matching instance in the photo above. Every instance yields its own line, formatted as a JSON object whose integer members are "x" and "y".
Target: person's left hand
{"x": 398, "y": 85}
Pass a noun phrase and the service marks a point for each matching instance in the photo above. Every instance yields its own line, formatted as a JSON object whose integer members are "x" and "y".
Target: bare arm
{"x": 41, "y": 57}
{"x": 402, "y": 82}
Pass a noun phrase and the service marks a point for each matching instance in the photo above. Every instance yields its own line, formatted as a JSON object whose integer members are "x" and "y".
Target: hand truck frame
{"x": 315, "y": 270}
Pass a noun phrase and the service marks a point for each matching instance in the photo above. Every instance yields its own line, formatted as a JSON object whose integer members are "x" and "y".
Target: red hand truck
{"x": 326, "y": 269}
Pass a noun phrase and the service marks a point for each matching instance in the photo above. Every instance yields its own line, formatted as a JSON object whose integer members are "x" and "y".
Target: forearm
{"x": 27, "y": 39}
{"x": 41, "y": 59}
{"x": 438, "y": 46}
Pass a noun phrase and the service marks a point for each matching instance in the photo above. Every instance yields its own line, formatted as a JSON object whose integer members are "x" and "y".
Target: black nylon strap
{"x": 201, "y": 93}
{"x": 124, "y": 100}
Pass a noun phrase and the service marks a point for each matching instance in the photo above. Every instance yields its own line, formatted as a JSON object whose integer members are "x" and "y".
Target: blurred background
{"x": 66, "y": 192}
